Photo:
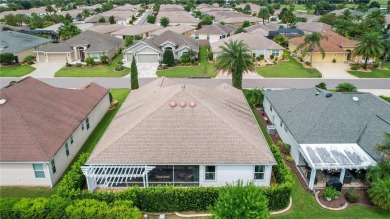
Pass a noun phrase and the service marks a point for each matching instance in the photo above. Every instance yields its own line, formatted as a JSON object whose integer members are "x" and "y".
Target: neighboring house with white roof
{"x": 79, "y": 47}
{"x": 152, "y": 50}
{"x": 181, "y": 135}
{"x": 20, "y": 44}
{"x": 258, "y": 44}
{"x": 43, "y": 128}
{"x": 214, "y": 32}
{"x": 140, "y": 30}
{"x": 329, "y": 131}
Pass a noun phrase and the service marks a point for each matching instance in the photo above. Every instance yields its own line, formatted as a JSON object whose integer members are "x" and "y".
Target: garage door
{"x": 57, "y": 57}
{"x": 151, "y": 58}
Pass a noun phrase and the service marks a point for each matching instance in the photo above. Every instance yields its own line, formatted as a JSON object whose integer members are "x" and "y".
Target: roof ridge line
{"x": 26, "y": 126}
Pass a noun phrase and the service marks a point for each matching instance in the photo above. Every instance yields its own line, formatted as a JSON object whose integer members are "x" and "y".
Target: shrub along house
{"x": 43, "y": 128}
{"x": 78, "y": 48}
{"x": 152, "y": 50}
{"x": 332, "y": 135}
{"x": 181, "y": 135}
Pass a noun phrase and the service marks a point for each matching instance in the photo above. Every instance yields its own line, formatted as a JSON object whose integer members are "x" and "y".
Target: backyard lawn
{"x": 291, "y": 69}
{"x": 89, "y": 145}
{"x": 205, "y": 69}
{"x": 96, "y": 71}
{"x": 376, "y": 73}
{"x": 15, "y": 71}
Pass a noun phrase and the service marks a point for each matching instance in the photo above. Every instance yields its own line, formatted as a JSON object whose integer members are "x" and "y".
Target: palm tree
{"x": 236, "y": 58}
{"x": 370, "y": 46}
{"x": 346, "y": 87}
{"x": 378, "y": 172}
{"x": 377, "y": 15}
{"x": 68, "y": 30}
{"x": 264, "y": 13}
{"x": 380, "y": 193}
{"x": 385, "y": 146}
{"x": 343, "y": 27}
{"x": 346, "y": 15}
{"x": 311, "y": 41}
{"x": 386, "y": 47}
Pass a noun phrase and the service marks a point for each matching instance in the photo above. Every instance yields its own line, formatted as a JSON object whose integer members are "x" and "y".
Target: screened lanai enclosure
{"x": 140, "y": 175}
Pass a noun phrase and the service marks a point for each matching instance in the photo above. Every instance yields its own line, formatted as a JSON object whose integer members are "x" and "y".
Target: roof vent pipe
{"x": 3, "y": 101}
{"x": 356, "y": 99}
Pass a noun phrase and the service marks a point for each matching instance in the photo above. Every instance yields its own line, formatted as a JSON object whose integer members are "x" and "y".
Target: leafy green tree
{"x": 385, "y": 148}
{"x": 102, "y": 20}
{"x": 246, "y": 24}
{"x": 164, "y": 21}
{"x": 7, "y": 58}
{"x": 309, "y": 6}
{"x": 362, "y": 7}
{"x": 264, "y": 14}
{"x": 86, "y": 13}
{"x": 21, "y": 18}
{"x": 271, "y": 10}
{"x": 11, "y": 19}
{"x": 380, "y": 193}
{"x": 377, "y": 15}
{"x": 328, "y": 19}
{"x": 111, "y": 19}
{"x": 68, "y": 30}
{"x": 311, "y": 41}
{"x": 386, "y": 49}
{"x": 134, "y": 75}
{"x": 31, "y": 208}
{"x": 374, "y": 4}
{"x": 344, "y": 27}
{"x": 322, "y": 86}
{"x": 241, "y": 201}
{"x": 56, "y": 208}
{"x": 49, "y": 9}
{"x": 346, "y": 87}
{"x": 151, "y": 19}
{"x": 236, "y": 58}
{"x": 370, "y": 45}
{"x": 168, "y": 58}
{"x": 79, "y": 17}
{"x": 281, "y": 40}
{"x": 68, "y": 18}
{"x": 346, "y": 15}
{"x": 128, "y": 41}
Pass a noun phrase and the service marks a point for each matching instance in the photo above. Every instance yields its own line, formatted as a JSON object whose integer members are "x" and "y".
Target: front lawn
{"x": 89, "y": 145}
{"x": 291, "y": 69}
{"x": 205, "y": 69}
{"x": 15, "y": 71}
{"x": 95, "y": 71}
{"x": 375, "y": 73}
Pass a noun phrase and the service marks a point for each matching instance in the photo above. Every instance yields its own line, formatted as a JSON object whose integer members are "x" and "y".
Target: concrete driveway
{"x": 333, "y": 70}
{"x": 46, "y": 69}
{"x": 145, "y": 70}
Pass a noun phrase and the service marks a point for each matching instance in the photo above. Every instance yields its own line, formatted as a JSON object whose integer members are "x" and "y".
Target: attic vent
{"x": 356, "y": 99}
{"x": 192, "y": 104}
{"x": 2, "y": 101}
{"x": 328, "y": 95}
{"x": 173, "y": 104}
{"x": 317, "y": 93}
{"x": 183, "y": 104}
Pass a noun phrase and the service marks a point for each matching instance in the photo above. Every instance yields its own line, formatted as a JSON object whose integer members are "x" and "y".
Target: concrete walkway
{"x": 145, "y": 70}
{"x": 333, "y": 70}
{"x": 46, "y": 69}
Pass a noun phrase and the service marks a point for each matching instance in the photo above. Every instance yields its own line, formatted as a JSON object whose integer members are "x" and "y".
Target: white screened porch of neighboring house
{"x": 333, "y": 158}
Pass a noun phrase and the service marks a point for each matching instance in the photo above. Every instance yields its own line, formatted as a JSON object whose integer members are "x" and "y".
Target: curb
{"x": 284, "y": 210}
{"x": 332, "y": 209}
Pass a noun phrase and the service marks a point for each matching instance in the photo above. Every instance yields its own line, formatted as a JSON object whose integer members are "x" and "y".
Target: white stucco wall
{"x": 231, "y": 173}
{"x": 212, "y": 38}
{"x": 22, "y": 174}
{"x": 286, "y": 136}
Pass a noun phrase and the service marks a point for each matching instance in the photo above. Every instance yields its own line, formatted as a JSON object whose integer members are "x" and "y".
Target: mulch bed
{"x": 337, "y": 203}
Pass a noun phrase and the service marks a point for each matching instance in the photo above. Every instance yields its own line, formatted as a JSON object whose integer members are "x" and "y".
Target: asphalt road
{"x": 247, "y": 83}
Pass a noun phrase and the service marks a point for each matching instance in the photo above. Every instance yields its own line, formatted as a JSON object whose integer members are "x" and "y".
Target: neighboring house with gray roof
{"x": 183, "y": 135}
{"x": 77, "y": 48}
{"x": 258, "y": 44}
{"x": 20, "y": 44}
{"x": 329, "y": 131}
{"x": 140, "y": 30}
{"x": 313, "y": 27}
{"x": 214, "y": 32}
{"x": 152, "y": 49}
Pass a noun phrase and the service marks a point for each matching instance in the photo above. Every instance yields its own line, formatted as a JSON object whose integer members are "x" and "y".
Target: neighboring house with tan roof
{"x": 140, "y": 30}
{"x": 151, "y": 50}
{"x": 106, "y": 29}
{"x": 262, "y": 29}
{"x": 121, "y": 14}
{"x": 258, "y": 44}
{"x": 335, "y": 46}
{"x": 176, "y": 15}
{"x": 77, "y": 48}
{"x": 254, "y": 8}
{"x": 185, "y": 30}
{"x": 54, "y": 27}
{"x": 43, "y": 128}
{"x": 182, "y": 135}
{"x": 214, "y": 32}
{"x": 313, "y": 27}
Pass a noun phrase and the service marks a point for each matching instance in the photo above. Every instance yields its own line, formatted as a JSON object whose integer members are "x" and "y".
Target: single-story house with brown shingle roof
{"x": 77, "y": 48}
{"x": 259, "y": 45}
{"x": 182, "y": 135}
{"x": 214, "y": 32}
{"x": 152, "y": 50}
{"x": 313, "y": 27}
{"x": 335, "y": 46}
{"x": 43, "y": 128}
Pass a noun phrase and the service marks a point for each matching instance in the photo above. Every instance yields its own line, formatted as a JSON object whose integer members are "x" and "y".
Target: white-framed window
{"x": 209, "y": 173}
{"x": 197, "y": 36}
{"x": 38, "y": 171}
{"x": 270, "y": 107}
{"x": 95, "y": 56}
{"x": 275, "y": 52}
{"x": 71, "y": 139}
{"x": 281, "y": 123}
{"x": 259, "y": 172}
{"x": 53, "y": 166}
{"x": 87, "y": 123}
{"x": 82, "y": 126}
{"x": 66, "y": 149}
{"x": 208, "y": 37}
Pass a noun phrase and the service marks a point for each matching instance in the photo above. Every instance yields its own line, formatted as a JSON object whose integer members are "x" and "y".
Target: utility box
{"x": 271, "y": 129}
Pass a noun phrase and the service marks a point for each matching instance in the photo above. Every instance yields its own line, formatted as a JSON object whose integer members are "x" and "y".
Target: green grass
{"x": 15, "y": 71}
{"x": 88, "y": 146}
{"x": 376, "y": 73}
{"x": 291, "y": 69}
{"x": 95, "y": 71}
{"x": 205, "y": 69}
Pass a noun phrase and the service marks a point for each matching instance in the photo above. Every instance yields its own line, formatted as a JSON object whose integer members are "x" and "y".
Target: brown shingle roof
{"x": 220, "y": 129}
{"x": 37, "y": 118}
{"x": 333, "y": 43}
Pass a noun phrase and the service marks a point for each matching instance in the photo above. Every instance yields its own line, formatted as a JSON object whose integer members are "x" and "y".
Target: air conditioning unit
{"x": 293, "y": 54}
{"x": 271, "y": 129}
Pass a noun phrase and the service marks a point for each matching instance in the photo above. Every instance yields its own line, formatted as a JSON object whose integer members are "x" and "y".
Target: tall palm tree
{"x": 343, "y": 27}
{"x": 68, "y": 30}
{"x": 311, "y": 41}
{"x": 385, "y": 146}
{"x": 236, "y": 58}
{"x": 380, "y": 193}
{"x": 377, "y": 15}
{"x": 346, "y": 15}
{"x": 378, "y": 172}
{"x": 370, "y": 46}
{"x": 386, "y": 45}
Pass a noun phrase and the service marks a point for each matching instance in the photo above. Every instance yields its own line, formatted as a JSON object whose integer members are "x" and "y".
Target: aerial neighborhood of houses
{"x": 195, "y": 109}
